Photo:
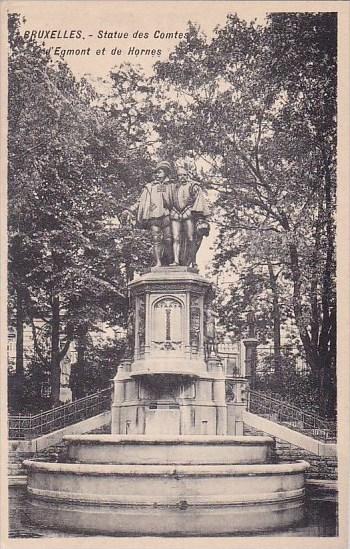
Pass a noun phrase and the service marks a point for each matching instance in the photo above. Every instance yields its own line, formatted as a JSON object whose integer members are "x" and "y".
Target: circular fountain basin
{"x": 165, "y": 499}
{"x": 177, "y": 450}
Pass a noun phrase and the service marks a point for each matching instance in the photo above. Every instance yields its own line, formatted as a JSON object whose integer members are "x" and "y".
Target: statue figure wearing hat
{"x": 152, "y": 213}
{"x": 188, "y": 212}
{"x": 176, "y": 213}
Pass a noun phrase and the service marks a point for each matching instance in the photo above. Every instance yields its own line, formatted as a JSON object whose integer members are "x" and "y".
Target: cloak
{"x": 151, "y": 204}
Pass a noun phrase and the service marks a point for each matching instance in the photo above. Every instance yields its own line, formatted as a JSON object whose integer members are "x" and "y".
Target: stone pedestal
{"x": 236, "y": 403}
{"x": 65, "y": 395}
{"x": 250, "y": 344}
{"x": 170, "y": 386}
{"x": 170, "y": 466}
{"x": 165, "y": 470}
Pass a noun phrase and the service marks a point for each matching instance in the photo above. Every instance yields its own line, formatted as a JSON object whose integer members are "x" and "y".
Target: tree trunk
{"x": 314, "y": 268}
{"x": 55, "y": 352}
{"x": 328, "y": 297}
{"x": 19, "y": 379}
{"x": 80, "y": 366}
{"x": 310, "y": 354}
{"x": 297, "y": 299}
{"x": 333, "y": 365}
{"x": 276, "y": 317}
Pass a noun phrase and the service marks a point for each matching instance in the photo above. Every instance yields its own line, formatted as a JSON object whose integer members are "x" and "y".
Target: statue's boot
{"x": 157, "y": 250}
{"x": 168, "y": 251}
{"x": 176, "y": 253}
{"x": 191, "y": 254}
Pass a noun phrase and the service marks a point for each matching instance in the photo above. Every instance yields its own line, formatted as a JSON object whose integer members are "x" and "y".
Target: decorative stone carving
{"x": 210, "y": 332}
{"x": 130, "y": 331}
{"x": 167, "y": 323}
{"x": 141, "y": 322}
{"x": 195, "y": 317}
{"x": 171, "y": 370}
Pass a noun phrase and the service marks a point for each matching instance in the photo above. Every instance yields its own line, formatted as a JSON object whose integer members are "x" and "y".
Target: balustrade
{"x": 32, "y": 426}
{"x": 291, "y": 416}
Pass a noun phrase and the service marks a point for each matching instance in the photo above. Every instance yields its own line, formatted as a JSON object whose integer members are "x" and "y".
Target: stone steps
{"x": 321, "y": 467}
{"x": 15, "y": 458}
{"x": 54, "y": 453}
{"x": 299, "y": 426}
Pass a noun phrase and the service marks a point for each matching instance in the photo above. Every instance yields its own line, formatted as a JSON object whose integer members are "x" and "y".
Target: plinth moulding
{"x": 173, "y": 382}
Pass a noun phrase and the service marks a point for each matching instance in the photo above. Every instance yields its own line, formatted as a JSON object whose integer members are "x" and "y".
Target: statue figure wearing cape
{"x": 176, "y": 213}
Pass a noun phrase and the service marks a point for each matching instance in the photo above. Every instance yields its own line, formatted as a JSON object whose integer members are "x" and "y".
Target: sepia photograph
{"x": 175, "y": 274}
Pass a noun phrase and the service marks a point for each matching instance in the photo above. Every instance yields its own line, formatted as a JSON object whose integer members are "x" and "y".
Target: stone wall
{"x": 51, "y": 453}
{"x": 321, "y": 467}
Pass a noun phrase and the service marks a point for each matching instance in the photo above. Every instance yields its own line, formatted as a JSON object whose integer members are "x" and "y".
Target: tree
{"x": 260, "y": 284}
{"x": 70, "y": 166}
{"x": 100, "y": 359}
{"x": 48, "y": 121}
{"x": 258, "y": 105}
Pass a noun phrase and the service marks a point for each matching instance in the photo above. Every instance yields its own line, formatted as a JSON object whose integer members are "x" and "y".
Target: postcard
{"x": 175, "y": 274}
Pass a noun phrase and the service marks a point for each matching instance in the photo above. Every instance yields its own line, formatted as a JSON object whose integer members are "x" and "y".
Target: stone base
{"x": 170, "y": 386}
{"x": 168, "y": 499}
{"x": 180, "y": 450}
{"x": 165, "y": 404}
{"x": 180, "y": 519}
{"x": 65, "y": 395}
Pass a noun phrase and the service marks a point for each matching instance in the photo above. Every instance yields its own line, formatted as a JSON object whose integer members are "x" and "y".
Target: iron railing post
{"x": 297, "y": 419}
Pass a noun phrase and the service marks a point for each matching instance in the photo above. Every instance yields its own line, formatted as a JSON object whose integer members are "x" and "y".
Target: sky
{"x": 93, "y": 16}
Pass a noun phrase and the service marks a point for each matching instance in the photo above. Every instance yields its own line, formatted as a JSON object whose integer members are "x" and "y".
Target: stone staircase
{"x": 321, "y": 467}
{"x": 54, "y": 453}
{"x": 104, "y": 430}
{"x": 288, "y": 415}
{"x": 15, "y": 459}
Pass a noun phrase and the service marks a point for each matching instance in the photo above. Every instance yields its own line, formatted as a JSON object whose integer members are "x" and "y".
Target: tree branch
{"x": 37, "y": 349}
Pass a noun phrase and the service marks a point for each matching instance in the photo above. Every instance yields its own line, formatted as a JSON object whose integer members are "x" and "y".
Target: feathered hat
{"x": 166, "y": 166}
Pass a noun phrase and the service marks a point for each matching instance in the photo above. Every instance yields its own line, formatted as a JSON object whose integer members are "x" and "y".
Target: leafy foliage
{"x": 100, "y": 364}
{"x": 290, "y": 385}
{"x": 254, "y": 109}
{"x": 72, "y": 168}
{"x": 257, "y": 106}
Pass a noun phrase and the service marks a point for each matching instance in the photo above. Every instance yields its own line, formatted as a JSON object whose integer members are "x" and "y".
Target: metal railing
{"x": 31, "y": 426}
{"x": 265, "y": 359}
{"x": 291, "y": 416}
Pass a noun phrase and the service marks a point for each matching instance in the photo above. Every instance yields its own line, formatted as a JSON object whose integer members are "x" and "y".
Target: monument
{"x": 169, "y": 387}
{"x": 176, "y": 213}
{"x": 176, "y": 461}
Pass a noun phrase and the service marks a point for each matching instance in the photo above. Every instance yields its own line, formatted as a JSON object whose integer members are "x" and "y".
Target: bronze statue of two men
{"x": 176, "y": 212}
